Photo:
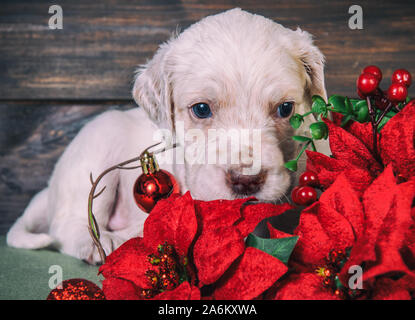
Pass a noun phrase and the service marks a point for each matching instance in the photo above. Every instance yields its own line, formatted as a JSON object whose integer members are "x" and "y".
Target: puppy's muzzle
{"x": 245, "y": 184}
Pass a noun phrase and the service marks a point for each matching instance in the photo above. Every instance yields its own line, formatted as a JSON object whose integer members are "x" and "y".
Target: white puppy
{"x": 233, "y": 70}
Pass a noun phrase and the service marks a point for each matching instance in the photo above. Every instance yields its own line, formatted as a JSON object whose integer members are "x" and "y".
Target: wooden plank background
{"x": 53, "y": 81}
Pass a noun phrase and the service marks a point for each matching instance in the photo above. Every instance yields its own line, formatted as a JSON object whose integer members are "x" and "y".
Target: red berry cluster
{"x": 169, "y": 272}
{"x": 368, "y": 85}
{"x": 305, "y": 193}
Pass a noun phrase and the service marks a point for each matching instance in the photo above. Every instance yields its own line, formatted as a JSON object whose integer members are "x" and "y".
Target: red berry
{"x": 373, "y": 70}
{"x": 308, "y": 178}
{"x": 294, "y": 194}
{"x": 397, "y": 92}
{"x": 367, "y": 83}
{"x": 402, "y": 76}
{"x": 304, "y": 195}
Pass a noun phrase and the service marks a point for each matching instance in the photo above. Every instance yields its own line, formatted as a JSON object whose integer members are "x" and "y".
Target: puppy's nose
{"x": 245, "y": 184}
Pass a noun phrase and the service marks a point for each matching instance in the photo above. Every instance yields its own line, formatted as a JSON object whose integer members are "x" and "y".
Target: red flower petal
{"x": 363, "y": 132}
{"x": 251, "y": 276}
{"x": 332, "y": 223}
{"x": 219, "y": 213}
{"x": 345, "y": 146}
{"x": 342, "y": 198}
{"x": 388, "y": 289}
{"x": 128, "y": 262}
{"x": 277, "y": 234}
{"x": 172, "y": 220}
{"x": 252, "y": 214}
{"x": 215, "y": 251}
{"x": 328, "y": 169}
{"x": 387, "y": 218}
{"x": 303, "y": 286}
{"x": 185, "y": 291}
{"x": 397, "y": 141}
{"x": 313, "y": 243}
{"x": 120, "y": 289}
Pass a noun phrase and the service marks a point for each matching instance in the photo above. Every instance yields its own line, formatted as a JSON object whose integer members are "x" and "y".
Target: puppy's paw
{"x": 109, "y": 242}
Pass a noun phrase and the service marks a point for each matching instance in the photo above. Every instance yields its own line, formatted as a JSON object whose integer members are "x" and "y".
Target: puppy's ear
{"x": 152, "y": 90}
{"x": 313, "y": 62}
{"x": 311, "y": 58}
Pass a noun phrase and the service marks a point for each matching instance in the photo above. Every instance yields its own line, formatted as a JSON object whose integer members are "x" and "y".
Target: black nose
{"x": 245, "y": 184}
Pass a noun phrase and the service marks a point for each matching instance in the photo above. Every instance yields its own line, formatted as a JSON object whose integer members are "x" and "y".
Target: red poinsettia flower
{"x": 191, "y": 244}
{"x": 352, "y": 151}
{"x": 340, "y": 231}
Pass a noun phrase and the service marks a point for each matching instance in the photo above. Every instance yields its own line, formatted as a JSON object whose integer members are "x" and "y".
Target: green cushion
{"x": 24, "y": 274}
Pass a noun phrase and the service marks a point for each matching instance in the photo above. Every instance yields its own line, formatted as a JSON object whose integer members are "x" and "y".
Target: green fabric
{"x": 24, "y": 274}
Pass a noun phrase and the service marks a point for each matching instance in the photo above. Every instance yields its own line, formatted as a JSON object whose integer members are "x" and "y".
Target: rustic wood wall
{"x": 53, "y": 81}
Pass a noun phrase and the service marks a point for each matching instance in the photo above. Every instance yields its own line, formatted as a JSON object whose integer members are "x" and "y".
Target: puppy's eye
{"x": 201, "y": 110}
{"x": 284, "y": 109}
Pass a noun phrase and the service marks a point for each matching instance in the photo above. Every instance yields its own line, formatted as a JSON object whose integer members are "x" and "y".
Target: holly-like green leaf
{"x": 301, "y": 138}
{"x": 291, "y": 165}
{"x": 296, "y": 120}
{"x": 319, "y": 105}
{"x": 338, "y": 103}
{"x": 278, "y": 248}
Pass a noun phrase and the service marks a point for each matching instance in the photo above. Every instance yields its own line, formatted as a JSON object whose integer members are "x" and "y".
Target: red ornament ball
{"x": 402, "y": 76}
{"x": 397, "y": 92}
{"x": 304, "y": 195}
{"x": 76, "y": 289}
{"x": 373, "y": 70}
{"x": 151, "y": 187}
{"x": 309, "y": 178}
{"x": 367, "y": 83}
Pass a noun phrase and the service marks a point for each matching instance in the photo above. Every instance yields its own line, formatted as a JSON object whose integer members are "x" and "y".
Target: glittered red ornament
{"x": 76, "y": 289}
{"x": 153, "y": 184}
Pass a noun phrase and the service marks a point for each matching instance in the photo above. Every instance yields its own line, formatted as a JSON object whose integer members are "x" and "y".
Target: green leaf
{"x": 278, "y": 248}
{"x": 349, "y": 106}
{"x": 361, "y": 111}
{"x": 383, "y": 122}
{"x": 291, "y": 165}
{"x": 338, "y": 103}
{"x": 319, "y": 105}
{"x": 346, "y": 119}
{"x": 301, "y": 138}
{"x": 354, "y": 103}
{"x": 296, "y": 120}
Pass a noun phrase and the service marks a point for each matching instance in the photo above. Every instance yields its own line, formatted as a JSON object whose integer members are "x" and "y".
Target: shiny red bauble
{"x": 397, "y": 92}
{"x": 367, "y": 83}
{"x": 304, "y": 195}
{"x": 373, "y": 70}
{"x": 402, "y": 76}
{"x": 151, "y": 187}
{"x": 308, "y": 178}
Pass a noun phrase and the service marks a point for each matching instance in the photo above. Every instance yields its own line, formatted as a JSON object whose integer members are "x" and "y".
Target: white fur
{"x": 242, "y": 64}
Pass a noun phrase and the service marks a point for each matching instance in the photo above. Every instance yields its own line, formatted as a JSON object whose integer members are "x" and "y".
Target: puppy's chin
{"x": 208, "y": 183}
